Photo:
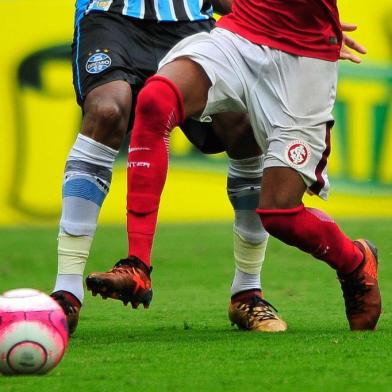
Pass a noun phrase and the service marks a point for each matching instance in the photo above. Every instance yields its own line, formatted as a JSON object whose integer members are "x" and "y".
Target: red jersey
{"x": 309, "y": 28}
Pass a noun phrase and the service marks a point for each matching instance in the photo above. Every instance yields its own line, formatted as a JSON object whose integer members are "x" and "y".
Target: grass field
{"x": 184, "y": 342}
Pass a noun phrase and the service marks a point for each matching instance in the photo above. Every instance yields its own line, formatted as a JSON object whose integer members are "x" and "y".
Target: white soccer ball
{"x": 33, "y": 332}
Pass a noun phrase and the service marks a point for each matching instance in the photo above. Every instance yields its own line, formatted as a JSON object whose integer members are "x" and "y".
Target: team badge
{"x": 98, "y": 62}
{"x": 100, "y": 4}
{"x": 297, "y": 153}
{"x": 103, "y": 4}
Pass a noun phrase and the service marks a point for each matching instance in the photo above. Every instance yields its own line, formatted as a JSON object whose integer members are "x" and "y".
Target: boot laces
{"x": 129, "y": 265}
{"x": 259, "y": 309}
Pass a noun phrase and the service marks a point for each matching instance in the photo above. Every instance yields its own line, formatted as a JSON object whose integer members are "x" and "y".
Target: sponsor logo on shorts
{"x": 98, "y": 62}
{"x": 298, "y": 153}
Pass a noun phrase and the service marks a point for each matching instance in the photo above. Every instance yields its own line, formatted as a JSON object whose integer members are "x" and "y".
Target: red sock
{"x": 313, "y": 232}
{"x": 159, "y": 109}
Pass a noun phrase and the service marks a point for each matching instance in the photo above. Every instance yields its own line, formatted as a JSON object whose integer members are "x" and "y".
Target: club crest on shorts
{"x": 298, "y": 153}
{"x": 98, "y": 62}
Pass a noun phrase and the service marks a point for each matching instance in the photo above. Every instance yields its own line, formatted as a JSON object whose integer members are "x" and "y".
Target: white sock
{"x": 243, "y": 281}
{"x": 72, "y": 283}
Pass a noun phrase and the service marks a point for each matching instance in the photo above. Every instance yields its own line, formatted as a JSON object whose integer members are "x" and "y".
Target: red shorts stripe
{"x": 319, "y": 184}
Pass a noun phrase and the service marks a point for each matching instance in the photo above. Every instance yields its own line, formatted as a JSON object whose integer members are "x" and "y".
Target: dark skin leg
{"x": 236, "y": 134}
{"x": 106, "y": 113}
{"x": 282, "y": 188}
{"x": 192, "y": 81}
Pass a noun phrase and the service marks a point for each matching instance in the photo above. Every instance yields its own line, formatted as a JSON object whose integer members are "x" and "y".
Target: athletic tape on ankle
{"x": 73, "y": 253}
{"x": 249, "y": 257}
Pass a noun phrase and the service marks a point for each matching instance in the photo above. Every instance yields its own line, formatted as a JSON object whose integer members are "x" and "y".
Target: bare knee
{"x": 106, "y": 116}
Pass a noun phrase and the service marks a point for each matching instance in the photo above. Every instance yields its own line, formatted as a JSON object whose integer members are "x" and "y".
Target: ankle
{"x": 246, "y": 296}
{"x": 134, "y": 261}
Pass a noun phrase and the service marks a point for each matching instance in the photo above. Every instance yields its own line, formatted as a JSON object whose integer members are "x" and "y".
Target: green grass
{"x": 184, "y": 342}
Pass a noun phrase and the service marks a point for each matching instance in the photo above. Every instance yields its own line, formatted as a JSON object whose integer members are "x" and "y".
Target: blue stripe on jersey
{"x": 164, "y": 10}
{"x": 77, "y": 71}
{"x": 193, "y": 9}
{"x": 84, "y": 189}
{"x": 80, "y": 6}
{"x": 134, "y": 8}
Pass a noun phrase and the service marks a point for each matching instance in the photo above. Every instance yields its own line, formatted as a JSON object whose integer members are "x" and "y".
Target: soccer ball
{"x": 33, "y": 332}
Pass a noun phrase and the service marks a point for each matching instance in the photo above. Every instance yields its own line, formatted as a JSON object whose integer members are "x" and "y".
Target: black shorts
{"x": 109, "y": 47}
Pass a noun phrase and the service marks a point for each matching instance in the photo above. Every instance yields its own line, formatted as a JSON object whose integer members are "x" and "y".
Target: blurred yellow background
{"x": 39, "y": 120}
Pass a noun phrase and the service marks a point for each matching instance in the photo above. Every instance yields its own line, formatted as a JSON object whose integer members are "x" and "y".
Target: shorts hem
{"x": 108, "y": 77}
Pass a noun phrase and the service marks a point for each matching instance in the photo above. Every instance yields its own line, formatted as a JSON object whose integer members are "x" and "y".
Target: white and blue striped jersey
{"x": 159, "y": 10}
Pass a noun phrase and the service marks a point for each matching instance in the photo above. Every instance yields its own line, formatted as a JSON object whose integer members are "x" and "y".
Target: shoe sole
{"x": 98, "y": 286}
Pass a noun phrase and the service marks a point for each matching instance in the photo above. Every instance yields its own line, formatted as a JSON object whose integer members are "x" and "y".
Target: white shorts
{"x": 289, "y": 98}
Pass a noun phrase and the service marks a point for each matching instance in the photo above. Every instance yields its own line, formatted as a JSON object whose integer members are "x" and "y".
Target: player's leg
{"x": 247, "y": 309}
{"x": 106, "y": 101}
{"x": 163, "y": 103}
{"x": 180, "y": 89}
{"x": 129, "y": 279}
{"x": 296, "y": 161}
{"x": 286, "y": 218}
{"x": 87, "y": 179}
{"x": 161, "y": 106}
{"x": 195, "y": 79}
